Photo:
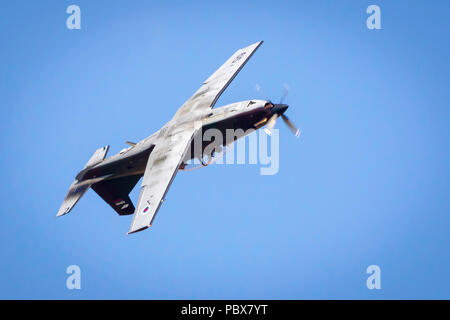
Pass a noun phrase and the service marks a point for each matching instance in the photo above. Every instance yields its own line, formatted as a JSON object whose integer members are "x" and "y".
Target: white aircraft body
{"x": 158, "y": 157}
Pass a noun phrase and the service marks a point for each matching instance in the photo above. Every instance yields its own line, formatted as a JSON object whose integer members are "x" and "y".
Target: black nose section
{"x": 279, "y": 108}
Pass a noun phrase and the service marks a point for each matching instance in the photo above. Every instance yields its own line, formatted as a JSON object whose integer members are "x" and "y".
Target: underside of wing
{"x": 162, "y": 166}
{"x": 205, "y": 97}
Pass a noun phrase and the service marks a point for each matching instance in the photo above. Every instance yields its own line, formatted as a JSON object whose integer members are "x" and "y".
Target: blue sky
{"x": 367, "y": 182}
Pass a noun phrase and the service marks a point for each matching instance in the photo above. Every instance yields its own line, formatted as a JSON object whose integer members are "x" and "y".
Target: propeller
{"x": 261, "y": 91}
{"x": 277, "y": 111}
{"x": 285, "y": 93}
{"x": 270, "y": 124}
{"x": 294, "y": 129}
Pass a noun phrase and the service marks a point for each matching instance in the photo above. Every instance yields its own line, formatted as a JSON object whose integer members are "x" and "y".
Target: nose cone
{"x": 279, "y": 108}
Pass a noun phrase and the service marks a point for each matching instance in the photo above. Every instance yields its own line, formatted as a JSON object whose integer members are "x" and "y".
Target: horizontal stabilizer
{"x": 78, "y": 188}
{"x": 98, "y": 156}
{"x": 76, "y": 191}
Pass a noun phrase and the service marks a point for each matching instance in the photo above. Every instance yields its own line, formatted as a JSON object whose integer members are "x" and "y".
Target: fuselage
{"x": 240, "y": 117}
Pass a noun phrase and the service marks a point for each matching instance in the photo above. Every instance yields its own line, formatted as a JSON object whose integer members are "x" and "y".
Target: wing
{"x": 174, "y": 142}
{"x": 162, "y": 166}
{"x": 205, "y": 97}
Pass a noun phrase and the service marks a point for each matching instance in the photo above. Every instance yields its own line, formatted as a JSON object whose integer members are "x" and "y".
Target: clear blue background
{"x": 367, "y": 182}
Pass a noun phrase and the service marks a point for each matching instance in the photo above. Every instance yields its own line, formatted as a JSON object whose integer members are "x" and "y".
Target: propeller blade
{"x": 271, "y": 124}
{"x": 291, "y": 126}
{"x": 261, "y": 91}
{"x": 285, "y": 92}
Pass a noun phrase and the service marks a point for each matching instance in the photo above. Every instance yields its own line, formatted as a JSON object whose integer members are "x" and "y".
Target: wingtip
{"x": 62, "y": 212}
{"x": 138, "y": 230}
{"x": 256, "y": 44}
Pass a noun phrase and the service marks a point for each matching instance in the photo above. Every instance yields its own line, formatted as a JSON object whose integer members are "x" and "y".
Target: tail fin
{"x": 78, "y": 188}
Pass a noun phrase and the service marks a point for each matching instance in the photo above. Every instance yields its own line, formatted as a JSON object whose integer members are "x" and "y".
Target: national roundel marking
{"x": 145, "y": 211}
